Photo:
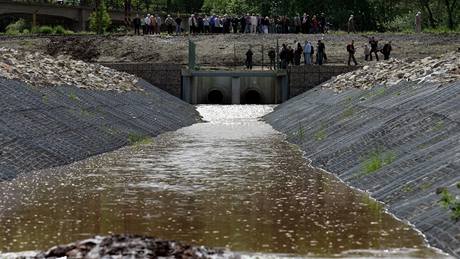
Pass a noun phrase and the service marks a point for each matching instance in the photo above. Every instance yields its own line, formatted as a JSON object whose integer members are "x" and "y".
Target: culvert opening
{"x": 252, "y": 97}
{"x": 215, "y": 97}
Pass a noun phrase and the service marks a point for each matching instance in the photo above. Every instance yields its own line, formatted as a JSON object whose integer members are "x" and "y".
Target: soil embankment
{"x": 398, "y": 142}
{"x": 223, "y": 50}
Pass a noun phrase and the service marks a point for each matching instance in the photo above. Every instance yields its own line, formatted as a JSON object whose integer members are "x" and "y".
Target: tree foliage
{"x": 369, "y": 14}
{"x": 99, "y": 20}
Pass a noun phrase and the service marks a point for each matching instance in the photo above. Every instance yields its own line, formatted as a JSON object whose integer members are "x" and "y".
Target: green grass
{"x": 450, "y": 202}
{"x": 438, "y": 126}
{"x": 347, "y": 113}
{"x": 376, "y": 161}
{"x": 320, "y": 135}
{"x": 301, "y": 133}
{"x": 138, "y": 139}
{"x": 72, "y": 96}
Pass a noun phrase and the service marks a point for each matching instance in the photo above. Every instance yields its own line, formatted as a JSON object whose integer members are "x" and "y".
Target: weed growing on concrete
{"x": 376, "y": 161}
{"x": 438, "y": 126}
{"x": 450, "y": 202}
{"x": 301, "y": 133}
{"x": 72, "y": 96}
{"x": 45, "y": 99}
{"x": 321, "y": 134}
{"x": 348, "y": 113}
{"x": 138, "y": 139}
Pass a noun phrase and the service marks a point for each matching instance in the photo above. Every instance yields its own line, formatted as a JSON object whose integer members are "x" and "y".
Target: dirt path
{"x": 223, "y": 50}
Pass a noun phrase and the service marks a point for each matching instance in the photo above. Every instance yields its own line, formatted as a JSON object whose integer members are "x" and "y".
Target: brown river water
{"x": 233, "y": 182}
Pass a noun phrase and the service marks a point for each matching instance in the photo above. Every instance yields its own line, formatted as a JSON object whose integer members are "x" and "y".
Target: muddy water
{"x": 232, "y": 182}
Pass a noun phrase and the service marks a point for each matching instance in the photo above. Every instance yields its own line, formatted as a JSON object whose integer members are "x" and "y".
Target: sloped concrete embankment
{"x": 400, "y": 143}
{"x": 42, "y": 127}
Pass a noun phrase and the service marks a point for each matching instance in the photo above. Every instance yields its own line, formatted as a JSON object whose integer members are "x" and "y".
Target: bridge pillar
{"x": 236, "y": 90}
{"x": 187, "y": 89}
{"x": 82, "y": 17}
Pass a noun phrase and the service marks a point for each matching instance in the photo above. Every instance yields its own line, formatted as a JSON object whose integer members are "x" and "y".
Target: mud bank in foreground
{"x": 399, "y": 143}
{"x": 42, "y": 127}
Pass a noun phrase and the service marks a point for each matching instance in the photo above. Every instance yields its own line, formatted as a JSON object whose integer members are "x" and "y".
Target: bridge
{"x": 78, "y": 15}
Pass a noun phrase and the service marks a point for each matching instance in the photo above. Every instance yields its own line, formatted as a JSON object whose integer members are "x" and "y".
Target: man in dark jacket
{"x": 137, "y": 25}
{"x": 284, "y": 57}
{"x": 249, "y": 55}
{"x": 272, "y": 56}
{"x": 351, "y": 53}
{"x": 386, "y": 50}
{"x": 320, "y": 53}
{"x": 374, "y": 47}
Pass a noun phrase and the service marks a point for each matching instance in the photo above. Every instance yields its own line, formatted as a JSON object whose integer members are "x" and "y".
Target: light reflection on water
{"x": 231, "y": 182}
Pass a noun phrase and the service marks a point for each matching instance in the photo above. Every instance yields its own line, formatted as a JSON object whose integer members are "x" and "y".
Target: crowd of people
{"x": 249, "y": 23}
{"x": 292, "y": 55}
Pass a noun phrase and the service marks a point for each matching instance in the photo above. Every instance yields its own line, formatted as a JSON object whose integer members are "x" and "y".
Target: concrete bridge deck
{"x": 78, "y": 14}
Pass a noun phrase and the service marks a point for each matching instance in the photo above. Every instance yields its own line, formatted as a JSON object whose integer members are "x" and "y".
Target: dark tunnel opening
{"x": 252, "y": 97}
{"x": 215, "y": 97}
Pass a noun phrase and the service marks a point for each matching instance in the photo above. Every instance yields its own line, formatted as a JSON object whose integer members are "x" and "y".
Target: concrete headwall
{"x": 304, "y": 78}
{"x": 164, "y": 76}
{"x": 168, "y": 76}
{"x": 400, "y": 143}
{"x": 53, "y": 126}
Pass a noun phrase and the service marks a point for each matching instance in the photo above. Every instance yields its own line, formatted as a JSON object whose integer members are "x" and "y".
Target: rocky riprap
{"x": 120, "y": 246}
{"x": 442, "y": 70}
{"x": 43, "y": 70}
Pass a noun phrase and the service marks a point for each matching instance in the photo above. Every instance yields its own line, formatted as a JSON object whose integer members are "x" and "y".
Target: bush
{"x": 45, "y": 30}
{"x": 16, "y": 27}
{"x": 25, "y": 31}
{"x": 59, "y": 30}
{"x": 405, "y": 23}
{"x": 69, "y": 32}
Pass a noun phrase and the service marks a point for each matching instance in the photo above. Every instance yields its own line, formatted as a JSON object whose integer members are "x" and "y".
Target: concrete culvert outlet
{"x": 252, "y": 97}
{"x": 215, "y": 97}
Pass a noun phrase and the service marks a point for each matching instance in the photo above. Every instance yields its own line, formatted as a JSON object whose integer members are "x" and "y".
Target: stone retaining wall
{"x": 304, "y": 78}
{"x": 53, "y": 126}
{"x": 164, "y": 76}
{"x": 414, "y": 130}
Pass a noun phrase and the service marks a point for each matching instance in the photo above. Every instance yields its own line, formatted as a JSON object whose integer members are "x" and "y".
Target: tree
{"x": 450, "y": 8}
{"x": 99, "y": 20}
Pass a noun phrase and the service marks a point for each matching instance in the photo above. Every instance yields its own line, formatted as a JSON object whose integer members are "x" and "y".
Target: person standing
{"x": 297, "y": 24}
{"x": 351, "y": 53}
{"x": 418, "y": 22}
{"x": 386, "y": 51}
{"x": 298, "y": 54}
{"x": 159, "y": 23}
{"x": 284, "y": 56}
{"x": 272, "y": 56}
{"x": 170, "y": 24}
{"x": 351, "y": 24}
{"x": 304, "y": 23}
{"x": 320, "y": 53}
{"x": 147, "y": 24}
{"x": 253, "y": 23}
{"x": 367, "y": 52}
{"x": 206, "y": 21}
{"x": 307, "y": 49}
{"x": 193, "y": 24}
{"x": 249, "y": 55}
{"x": 153, "y": 24}
{"x": 137, "y": 25}
{"x": 235, "y": 22}
{"x": 178, "y": 25}
{"x": 314, "y": 24}
{"x": 322, "y": 23}
{"x": 243, "y": 24}
{"x": 374, "y": 48}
